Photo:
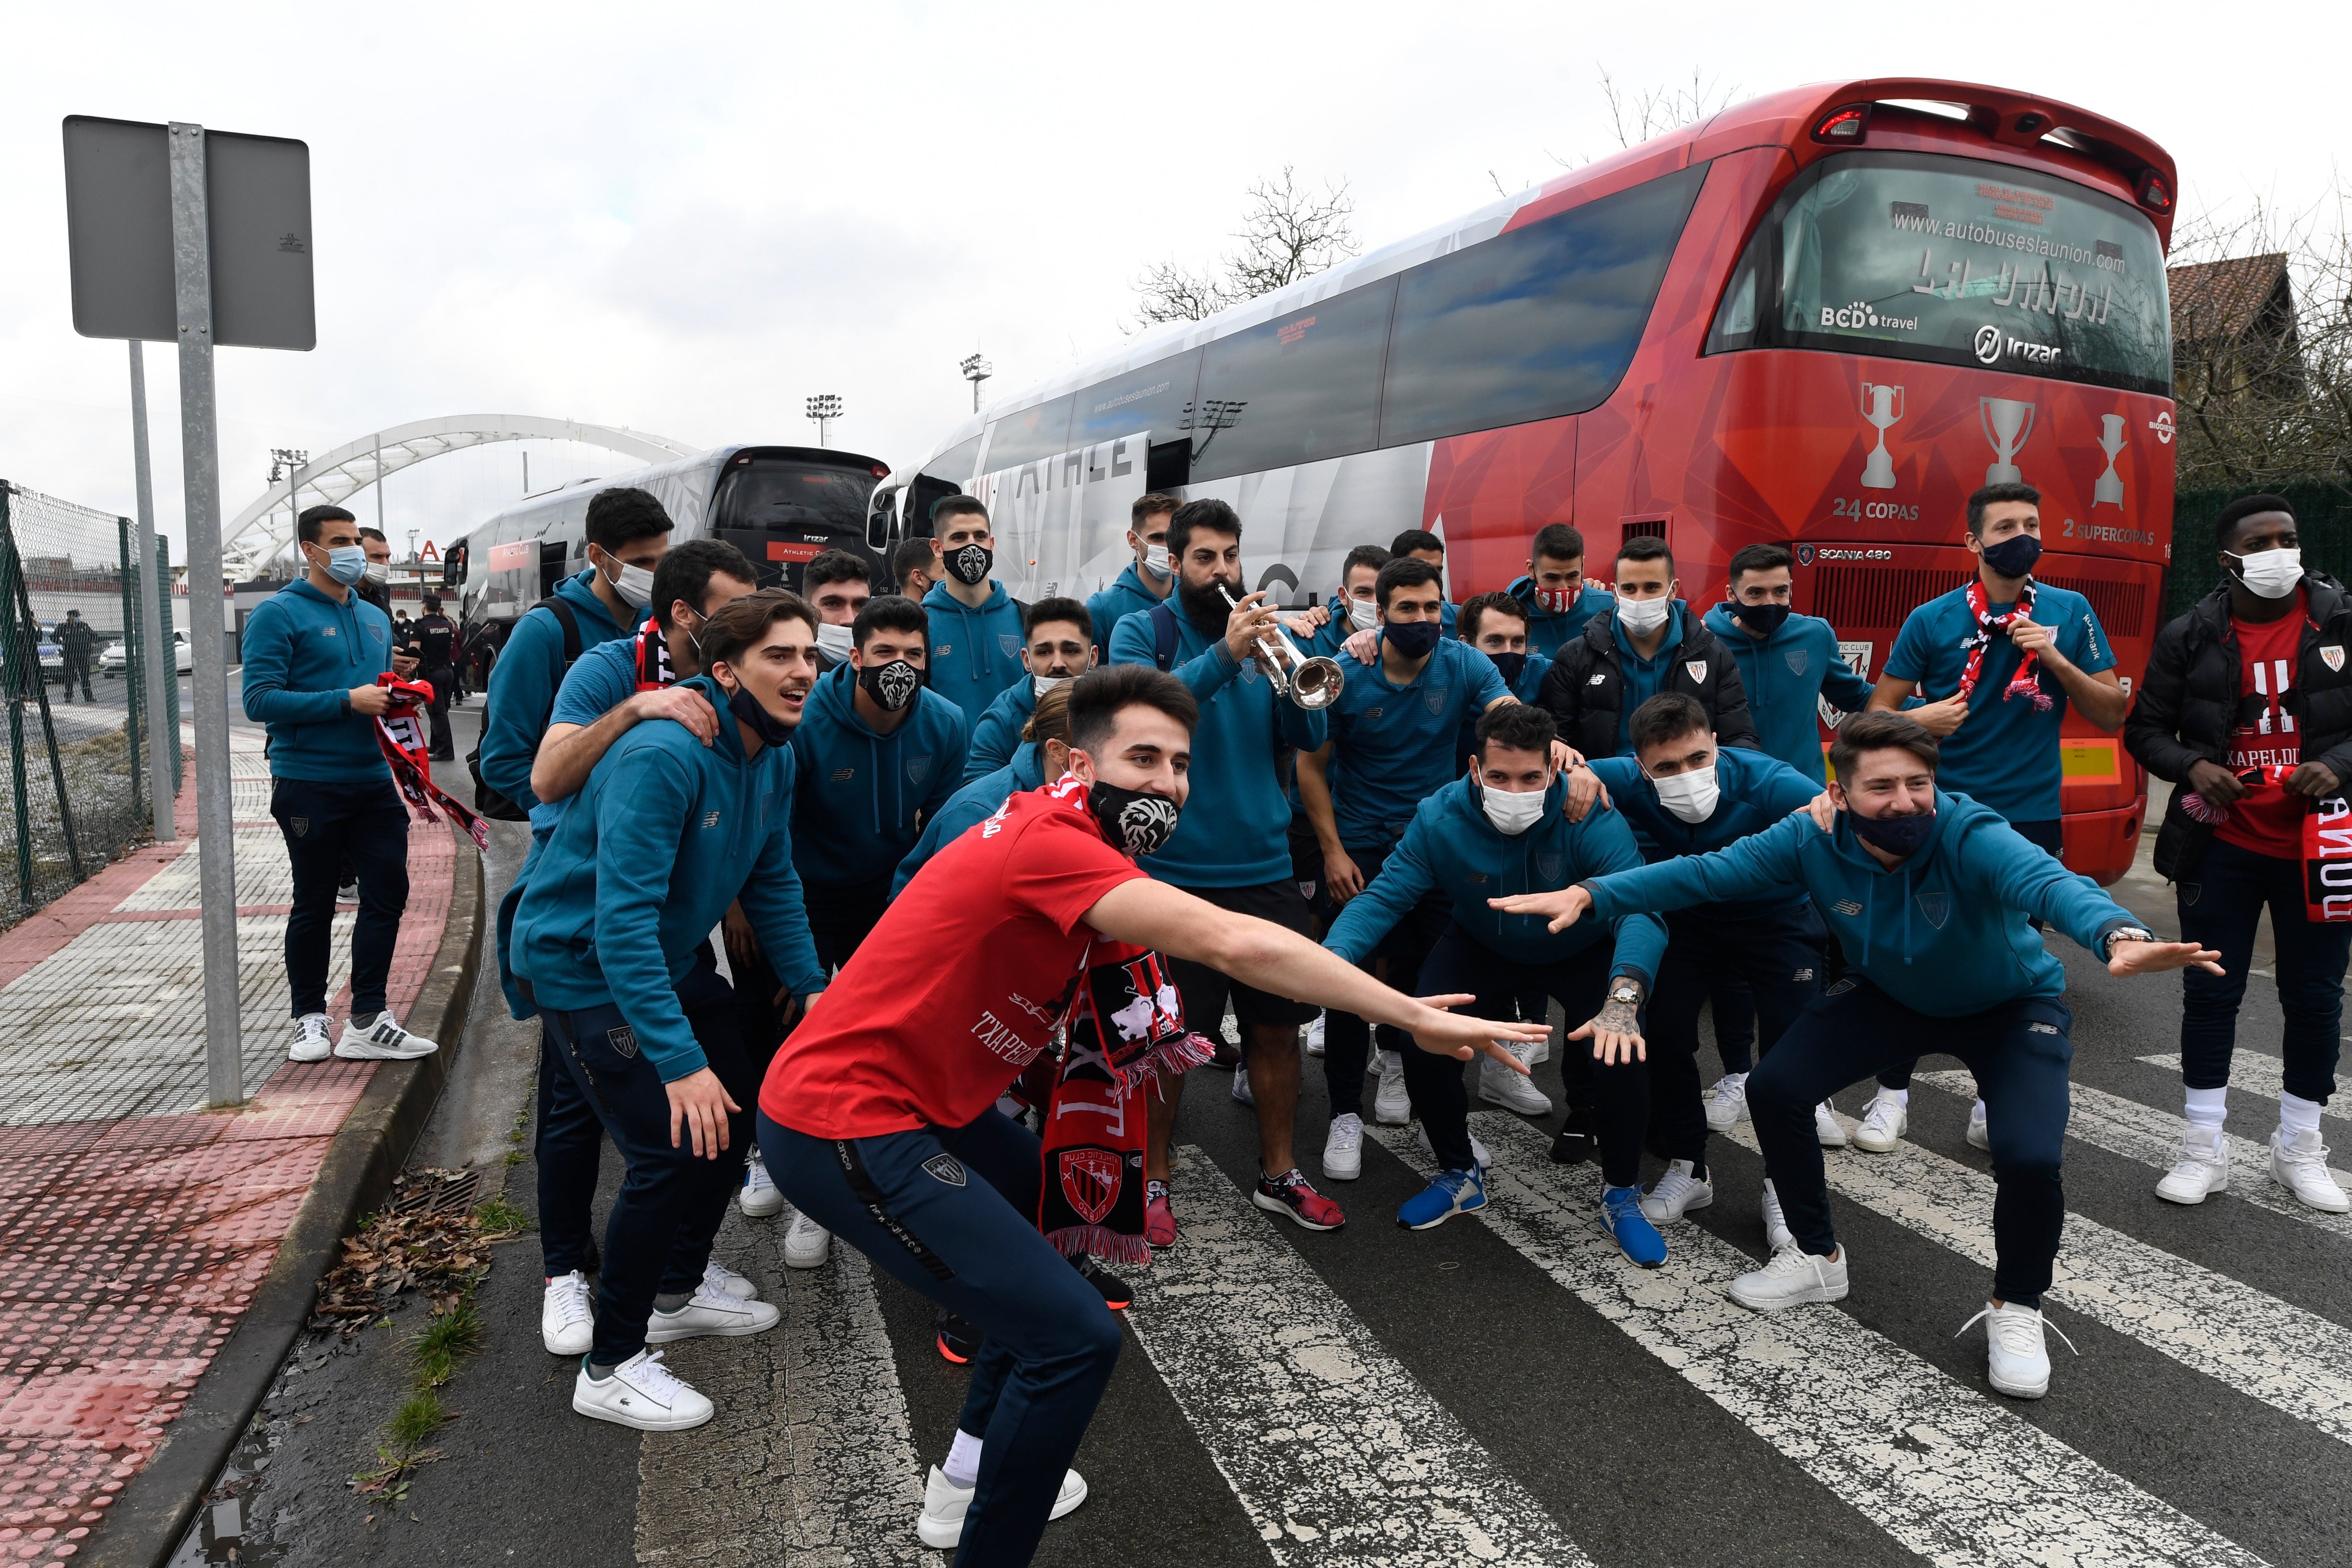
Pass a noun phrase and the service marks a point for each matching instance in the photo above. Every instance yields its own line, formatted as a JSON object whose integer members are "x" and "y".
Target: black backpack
{"x": 488, "y": 802}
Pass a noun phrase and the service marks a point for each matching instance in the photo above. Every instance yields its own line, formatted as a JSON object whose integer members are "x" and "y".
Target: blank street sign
{"x": 119, "y": 227}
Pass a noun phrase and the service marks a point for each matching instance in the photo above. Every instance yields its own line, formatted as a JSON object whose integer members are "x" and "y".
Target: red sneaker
{"x": 1158, "y": 1219}
{"x": 1291, "y": 1194}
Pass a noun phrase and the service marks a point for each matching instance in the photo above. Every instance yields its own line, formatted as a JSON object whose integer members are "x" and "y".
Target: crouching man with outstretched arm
{"x": 1932, "y": 897}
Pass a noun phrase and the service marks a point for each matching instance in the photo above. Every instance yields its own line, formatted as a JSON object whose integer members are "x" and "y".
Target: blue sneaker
{"x": 1636, "y": 1238}
{"x": 1449, "y": 1192}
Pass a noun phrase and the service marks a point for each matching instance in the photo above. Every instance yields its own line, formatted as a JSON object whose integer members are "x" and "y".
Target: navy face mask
{"x": 1511, "y": 665}
{"x": 1765, "y": 619}
{"x": 1414, "y": 639}
{"x": 771, "y": 731}
{"x": 2013, "y": 556}
{"x": 1902, "y": 835}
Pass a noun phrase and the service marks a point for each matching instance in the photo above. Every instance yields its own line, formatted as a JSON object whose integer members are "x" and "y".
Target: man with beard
{"x": 880, "y": 754}
{"x": 880, "y": 1118}
{"x": 669, "y": 831}
{"x": 1933, "y": 898}
{"x": 977, "y": 651}
{"x": 1060, "y": 648}
{"x": 1234, "y": 849}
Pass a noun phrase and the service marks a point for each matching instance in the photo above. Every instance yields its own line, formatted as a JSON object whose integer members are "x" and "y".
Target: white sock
{"x": 2207, "y": 1109}
{"x": 2297, "y": 1115}
{"x": 962, "y": 1465}
{"x": 1901, "y": 1097}
{"x": 1977, "y": 1112}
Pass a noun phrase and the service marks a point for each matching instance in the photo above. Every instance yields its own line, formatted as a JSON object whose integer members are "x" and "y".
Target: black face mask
{"x": 771, "y": 731}
{"x": 893, "y": 684}
{"x": 1902, "y": 835}
{"x": 1511, "y": 665}
{"x": 969, "y": 563}
{"x": 1764, "y": 619}
{"x": 1205, "y": 607}
{"x": 2013, "y": 556}
{"x": 1133, "y": 823}
{"x": 1412, "y": 639}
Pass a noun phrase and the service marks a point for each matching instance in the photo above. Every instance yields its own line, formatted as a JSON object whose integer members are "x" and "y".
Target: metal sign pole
{"x": 162, "y": 660}
{"x": 200, "y": 463}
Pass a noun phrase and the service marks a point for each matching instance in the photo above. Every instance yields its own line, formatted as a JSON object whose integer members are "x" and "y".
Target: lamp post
{"x": 975, "y": 371}
{"x": 823, "y": 408}
{"x": 290, "y": 460}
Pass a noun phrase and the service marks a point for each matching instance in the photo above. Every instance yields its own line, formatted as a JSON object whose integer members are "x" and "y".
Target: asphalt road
{"x": 1502, "y": 1389}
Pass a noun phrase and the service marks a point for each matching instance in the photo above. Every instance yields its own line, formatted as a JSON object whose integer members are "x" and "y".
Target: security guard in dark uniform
{"x": 436, "y": 646}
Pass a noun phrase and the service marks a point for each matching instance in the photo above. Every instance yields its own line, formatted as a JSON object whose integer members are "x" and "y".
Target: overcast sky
{"x": 686, "y": 218}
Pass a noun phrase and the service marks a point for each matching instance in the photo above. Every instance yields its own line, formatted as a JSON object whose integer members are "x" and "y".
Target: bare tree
{"x": 2261, "y": 347}
{"x": 1286, "y": 233}
{"x": 1658, "y": 109}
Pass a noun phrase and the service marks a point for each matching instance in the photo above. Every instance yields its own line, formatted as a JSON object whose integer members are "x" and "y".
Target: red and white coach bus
{"x": 1821, "y": 316}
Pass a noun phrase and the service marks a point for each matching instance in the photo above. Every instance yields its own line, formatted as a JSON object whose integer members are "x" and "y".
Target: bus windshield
{"x": 1953, "y": 260}
{"x": 800, "y": 496}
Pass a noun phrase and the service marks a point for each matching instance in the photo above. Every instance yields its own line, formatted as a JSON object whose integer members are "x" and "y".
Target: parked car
{"x": 111, "y": 659}
{"x": 52, "y": 657}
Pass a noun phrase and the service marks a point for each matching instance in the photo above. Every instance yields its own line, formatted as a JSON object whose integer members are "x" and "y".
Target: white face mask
{"x": 835, "y": 643}
{"x": 1363, "y": 614}
{"x": 1042, "y": 684}
{"x": 635, "y": 584}
{"x": 1640, "y": 617}
{"x": 379, "y": 572}
{"x": 1155, "y": 560}
{"x": 2269, "y": 574}
{"x": 1513, "y": 812}
{"x": 1690, "y": 794}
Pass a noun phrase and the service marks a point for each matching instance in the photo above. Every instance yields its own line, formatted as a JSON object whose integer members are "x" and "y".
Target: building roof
{"x": 2225, "y": 299}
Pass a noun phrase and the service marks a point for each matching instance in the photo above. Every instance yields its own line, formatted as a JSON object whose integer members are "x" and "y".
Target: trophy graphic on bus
{"x": 2008, "y": 425}
{"x": 1881, "y": 406}
{"x": 2110, "y": 487}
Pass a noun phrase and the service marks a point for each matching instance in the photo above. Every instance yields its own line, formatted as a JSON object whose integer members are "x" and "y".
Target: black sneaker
{"x": 1228, "y": 1056}
{"x": 1116, "y": 1294}
{"x": 956, "y": 1338}
{"x": 1577, "y": 1140}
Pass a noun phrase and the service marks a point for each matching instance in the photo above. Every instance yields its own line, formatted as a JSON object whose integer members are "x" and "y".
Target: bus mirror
{"x": 881, "y": 514}
{"x": 453, "y": 568}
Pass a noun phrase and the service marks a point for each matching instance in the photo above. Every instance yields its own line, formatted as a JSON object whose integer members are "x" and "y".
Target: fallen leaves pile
{"x": 426, "y": 1238}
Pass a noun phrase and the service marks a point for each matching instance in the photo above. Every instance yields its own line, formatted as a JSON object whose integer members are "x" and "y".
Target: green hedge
{"x": 2323, "y": 514}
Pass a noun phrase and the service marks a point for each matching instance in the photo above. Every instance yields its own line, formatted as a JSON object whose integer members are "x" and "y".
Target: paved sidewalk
{"x": 135, "y": 1226}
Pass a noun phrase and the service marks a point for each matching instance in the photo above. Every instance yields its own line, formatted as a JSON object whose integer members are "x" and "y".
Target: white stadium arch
{"x": 267, "y": 526}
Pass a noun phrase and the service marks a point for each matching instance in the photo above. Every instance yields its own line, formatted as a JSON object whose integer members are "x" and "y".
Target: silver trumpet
{"x": 1309, "y": 682}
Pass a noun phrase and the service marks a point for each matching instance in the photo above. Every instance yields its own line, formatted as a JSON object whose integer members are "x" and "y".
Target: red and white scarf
{"x": 2026, "y": 682}
{"x": 654, "y": 671}
{"x": 400, "y": 734}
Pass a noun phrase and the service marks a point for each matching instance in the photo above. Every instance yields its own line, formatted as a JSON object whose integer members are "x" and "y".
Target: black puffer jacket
{"x": 2189, "y": 704}
{"x": 1585, "y": 689}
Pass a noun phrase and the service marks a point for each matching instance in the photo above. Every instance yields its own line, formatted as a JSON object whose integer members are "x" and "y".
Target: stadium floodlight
{"x": 975, "y": 371}
{"x": 823, "y": 408}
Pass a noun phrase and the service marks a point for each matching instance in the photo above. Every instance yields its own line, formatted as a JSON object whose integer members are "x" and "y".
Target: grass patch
{"x": 500, "y": 1220}
{"x": 419, "y": 1417}
{"x": 450, "y": 1338}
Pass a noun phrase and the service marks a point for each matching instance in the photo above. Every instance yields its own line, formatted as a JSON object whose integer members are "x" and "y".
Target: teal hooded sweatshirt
{"x": 1949, "y": 933}
{"x": 975, "y": 654}
{"x": 1449, "y": 847}
{"x": 974, "y": 804}
{"x": 1788, "y": 675}
{"x": 665, "y": 835}
{"x": 303, "y": 653}
{"x": 998, "y": 735}
{"x": 523, "y": 690}
{"x": 864, "y": 796}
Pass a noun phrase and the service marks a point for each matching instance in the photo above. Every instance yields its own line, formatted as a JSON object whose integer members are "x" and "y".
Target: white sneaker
{"x": 945, "y": 1504}
{"x": 1980, "y": 1130}
{"x": 712, "y": 1314}
{"x": 567, "y": 1315}
{"x": 760, "y": 1197}
{"x": 1826, "y": 1127}
{"x": 310, "y": 1041}
{"x": 717, "y": 1276}
{"x": 2204, "y": 1170}
{"x": 1313, "y": 1038}
{"x": 1391, "y": 1107}
{"x": 643, "y": 1394}
{"x": 1792, "y": 1276}
{"x": 2017, "y": 1362}
{"x": 347, "y": 893}
{"x": 1477, "y": 1150}
{"x": 1675, "y": 1194}
{"x": 383, "y": 1040}
{"x": 1883, "y": 1124}
{"x": 1726, "y": 1102}
{"x": 806, "y": 1243}
{"x": 2300, "y": 1165}
{"x": 1343, "y": 1148}
{"x": 1498, "y": 1084}
{"x": 1240, "y": 1086}
{"x": 1777, "y": 1233}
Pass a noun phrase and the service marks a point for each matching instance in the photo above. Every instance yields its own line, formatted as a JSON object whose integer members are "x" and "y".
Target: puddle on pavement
{"x": 222, "y": 1526}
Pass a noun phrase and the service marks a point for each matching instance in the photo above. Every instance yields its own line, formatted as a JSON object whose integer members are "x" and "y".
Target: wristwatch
{"x": 2125, "y": 934}
{"x": 1628, "y": 993}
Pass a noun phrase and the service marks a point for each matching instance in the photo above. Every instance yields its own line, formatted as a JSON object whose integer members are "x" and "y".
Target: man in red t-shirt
{"x": 879, "y": 1111}
{"x": 2247, "y": 707}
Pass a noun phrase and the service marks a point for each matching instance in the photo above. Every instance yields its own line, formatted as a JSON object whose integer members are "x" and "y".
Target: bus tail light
{"x": 2155, "y": 192}
{"x": 1849, "y": 123}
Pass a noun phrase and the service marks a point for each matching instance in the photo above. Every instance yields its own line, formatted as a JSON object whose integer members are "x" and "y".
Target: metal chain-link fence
{"x": 73, "y": 683}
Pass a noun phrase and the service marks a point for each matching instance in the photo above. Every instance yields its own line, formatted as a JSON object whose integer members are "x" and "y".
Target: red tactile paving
{"x": 129, "y": 1246}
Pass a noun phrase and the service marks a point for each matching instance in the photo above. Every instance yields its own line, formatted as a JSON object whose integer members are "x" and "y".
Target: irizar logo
{"x": 1992, "y": 344}
{"x": 1862, "y": 313}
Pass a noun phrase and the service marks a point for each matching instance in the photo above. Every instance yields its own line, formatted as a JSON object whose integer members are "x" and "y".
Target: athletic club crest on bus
{"x": 1090, "y": 1180}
